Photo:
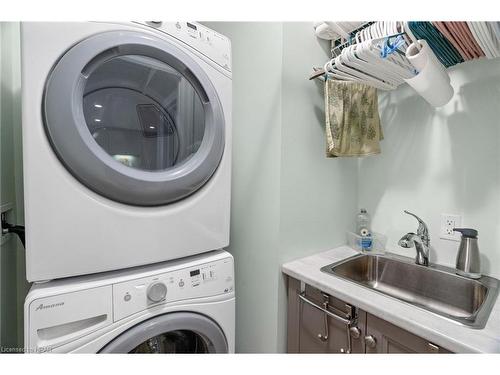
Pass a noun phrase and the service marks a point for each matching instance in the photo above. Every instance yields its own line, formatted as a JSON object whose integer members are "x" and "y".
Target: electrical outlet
{"x": 448, "y": 222}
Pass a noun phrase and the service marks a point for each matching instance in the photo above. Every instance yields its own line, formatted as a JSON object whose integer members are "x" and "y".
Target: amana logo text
{"x": 43, "y": 307}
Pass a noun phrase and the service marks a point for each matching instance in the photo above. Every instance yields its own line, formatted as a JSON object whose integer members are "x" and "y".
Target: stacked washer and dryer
{"x": 127, "y": 165}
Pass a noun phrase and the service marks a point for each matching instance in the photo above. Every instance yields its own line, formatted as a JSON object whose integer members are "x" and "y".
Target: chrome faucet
{"x": 420, "y": 241}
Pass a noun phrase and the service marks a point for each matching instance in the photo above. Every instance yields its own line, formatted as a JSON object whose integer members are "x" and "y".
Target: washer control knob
{"x": 157, "y": 292}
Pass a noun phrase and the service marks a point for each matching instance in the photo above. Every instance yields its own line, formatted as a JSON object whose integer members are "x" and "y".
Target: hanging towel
{"x": 352, "y": 119}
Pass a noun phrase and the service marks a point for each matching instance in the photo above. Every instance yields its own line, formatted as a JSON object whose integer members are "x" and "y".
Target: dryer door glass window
{"x": 180, "y": 341}
{"x": 143, "y": 112}
{"x": 135, "y": 118}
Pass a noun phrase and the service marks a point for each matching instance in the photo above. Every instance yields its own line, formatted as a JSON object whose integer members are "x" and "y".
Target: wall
{"x": 318, "y": 194}
{"x": 284, "y": 189}
{"x": 13, "y": 285}
{"x": 444, "y": 160}
{"x": 255, "y": 203}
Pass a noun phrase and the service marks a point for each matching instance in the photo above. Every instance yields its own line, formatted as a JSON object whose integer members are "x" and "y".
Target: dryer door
{"x": 180, "y": 332}
{"x": 134, "y": 118}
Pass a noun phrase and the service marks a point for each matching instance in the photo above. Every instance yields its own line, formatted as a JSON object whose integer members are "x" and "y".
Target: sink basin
{"x": 435, "y": 288}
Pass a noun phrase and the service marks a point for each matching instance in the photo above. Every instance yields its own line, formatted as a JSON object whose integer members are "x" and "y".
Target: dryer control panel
{"x": 213, "y": 45}
{"x": 206, "y": 280}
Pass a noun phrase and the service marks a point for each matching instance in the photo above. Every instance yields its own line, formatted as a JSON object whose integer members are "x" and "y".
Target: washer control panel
{"x": 213, "y": 45}
{"x": 206, "y": 280}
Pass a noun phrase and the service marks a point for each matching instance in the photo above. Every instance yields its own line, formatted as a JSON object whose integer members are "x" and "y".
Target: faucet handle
{"x": 422, "y": 227}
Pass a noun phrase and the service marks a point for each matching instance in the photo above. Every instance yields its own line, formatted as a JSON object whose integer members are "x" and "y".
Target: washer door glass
{"x": 134, "y": 118}
{"x": 181, "y": 341}
{"x": 177, "y": 332}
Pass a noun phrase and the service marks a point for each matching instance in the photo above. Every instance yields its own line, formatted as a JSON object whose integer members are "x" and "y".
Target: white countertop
{"x": 441, "y": 331}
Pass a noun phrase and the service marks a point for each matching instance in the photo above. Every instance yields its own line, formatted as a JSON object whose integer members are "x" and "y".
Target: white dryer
{"x": 182, "y": 306}
{"x": 127, "y": 144}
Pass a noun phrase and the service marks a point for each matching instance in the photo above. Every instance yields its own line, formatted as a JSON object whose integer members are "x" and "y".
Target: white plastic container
{"x": 363, "y": 222}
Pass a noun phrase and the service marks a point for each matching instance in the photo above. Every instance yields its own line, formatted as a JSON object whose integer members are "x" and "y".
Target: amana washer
{"x": 182, "y": 306}
{"x": 127, "y": 144}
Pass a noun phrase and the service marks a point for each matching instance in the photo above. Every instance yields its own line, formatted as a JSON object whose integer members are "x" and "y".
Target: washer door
{"x": 180, "y": 332}
{"x": 134, "y": 118}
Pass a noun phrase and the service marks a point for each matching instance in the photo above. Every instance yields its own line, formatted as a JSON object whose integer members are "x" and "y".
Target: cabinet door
{"x": 310, "y": 330}
{"x": 320, "y": 333}
{"x": 384, "y": 337}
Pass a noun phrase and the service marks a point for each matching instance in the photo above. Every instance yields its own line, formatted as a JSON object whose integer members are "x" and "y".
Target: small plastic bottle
{"x": 362, "y": 221}
{"x": 363, "y": 230}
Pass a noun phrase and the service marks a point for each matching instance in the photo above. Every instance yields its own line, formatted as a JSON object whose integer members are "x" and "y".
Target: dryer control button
{"x": 157, "y": 292}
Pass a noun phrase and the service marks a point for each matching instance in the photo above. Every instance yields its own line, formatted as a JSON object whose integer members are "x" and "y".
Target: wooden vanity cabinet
{"x": 311, "y": 330}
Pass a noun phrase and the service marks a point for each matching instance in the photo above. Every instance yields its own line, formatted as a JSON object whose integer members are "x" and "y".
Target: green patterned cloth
{"x": 352, "y": 119}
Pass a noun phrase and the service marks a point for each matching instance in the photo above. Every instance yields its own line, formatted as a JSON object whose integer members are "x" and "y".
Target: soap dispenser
{"x": 468, "y": 264}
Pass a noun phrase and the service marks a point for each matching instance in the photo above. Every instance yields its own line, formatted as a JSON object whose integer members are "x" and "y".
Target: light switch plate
{"x": 448, "y": 222}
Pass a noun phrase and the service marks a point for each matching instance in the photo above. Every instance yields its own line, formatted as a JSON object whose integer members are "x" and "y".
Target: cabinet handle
{"x": 326, "y": 301}
{"x": 370, "y": 341}
{"x": 355, "y": 332}
{"x": 347, "y": 322}
{"x": 329, "y": 313}
{"x": 432, "y": 348}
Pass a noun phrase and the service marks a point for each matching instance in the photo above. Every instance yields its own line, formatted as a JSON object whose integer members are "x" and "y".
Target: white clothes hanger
{"x": 495, "y": 40}
{"x": 363, "y": 61}
{"x": 334, "y": 74}
{"x": 351, "y": 56}
{"x": 336, "y": 70}
{"x": 487, "y": 38}
{"x": 335, "y": 65}
{"x": 408, "y": 32}
{"x": 479, "y": 39}
{"x": 357, "y": 54}
{"x": 372, "y": 69}
{"x": 397, "y": 58}
{"x": 372, "y": 53}
{"x": 360, "y": 76}
{"x": 400, "y": 29}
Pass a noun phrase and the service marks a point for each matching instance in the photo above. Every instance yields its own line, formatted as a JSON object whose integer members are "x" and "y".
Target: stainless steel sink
{"x": 434, "y": 288}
